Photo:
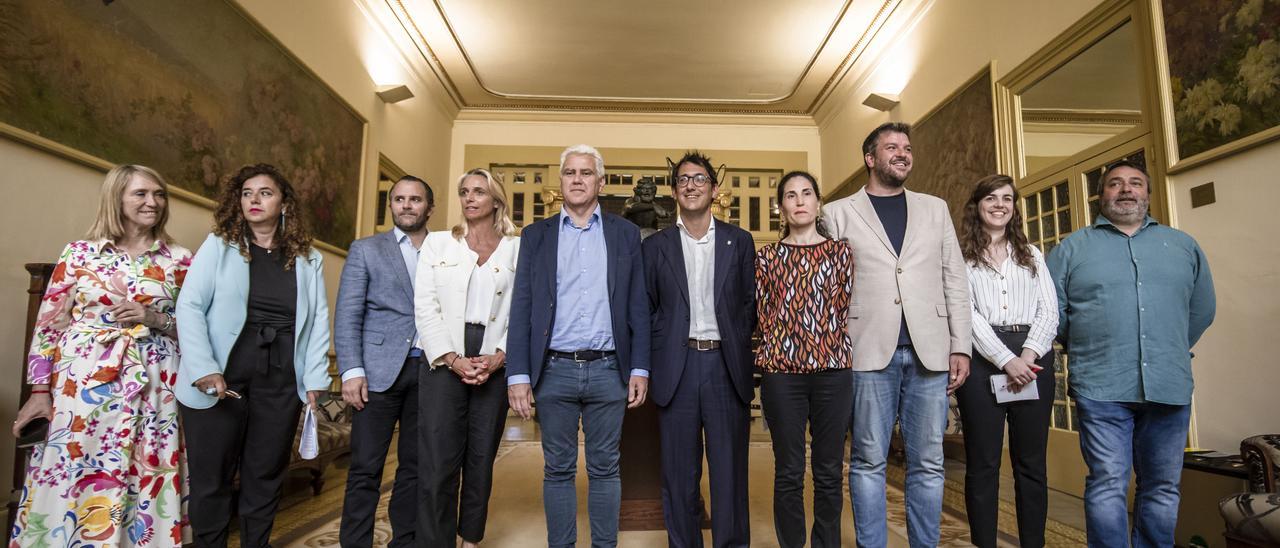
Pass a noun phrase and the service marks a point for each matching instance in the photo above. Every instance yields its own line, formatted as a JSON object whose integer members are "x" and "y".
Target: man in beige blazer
{"x": 909, "y": 323}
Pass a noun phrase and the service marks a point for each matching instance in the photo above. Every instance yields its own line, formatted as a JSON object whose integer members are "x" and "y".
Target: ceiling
{"x": 713, "y": 56}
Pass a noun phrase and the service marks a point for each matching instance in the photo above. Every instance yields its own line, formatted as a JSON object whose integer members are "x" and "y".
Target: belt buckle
{"x": 578, "y": 359}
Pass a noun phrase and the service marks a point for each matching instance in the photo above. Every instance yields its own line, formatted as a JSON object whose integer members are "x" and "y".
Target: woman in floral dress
{"x": 103, "y": 361}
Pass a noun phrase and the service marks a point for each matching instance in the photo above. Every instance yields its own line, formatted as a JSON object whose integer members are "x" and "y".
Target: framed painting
{"x": 1224, "y": 75}
{"x": 195, "y": 89}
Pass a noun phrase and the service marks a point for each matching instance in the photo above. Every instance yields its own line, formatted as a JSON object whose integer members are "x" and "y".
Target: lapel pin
{"x": 728, "y": 242}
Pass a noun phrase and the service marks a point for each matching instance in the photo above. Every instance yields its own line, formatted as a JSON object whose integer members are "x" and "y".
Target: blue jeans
{"x": 917, "y": 399}
{"x": 593, "y": 392}
{"x": 1112, "y": 434}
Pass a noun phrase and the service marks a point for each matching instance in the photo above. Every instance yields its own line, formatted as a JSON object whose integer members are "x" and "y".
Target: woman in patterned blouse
{"x": 102, "y": 364}
{"x": 1015, "y": 317}
{"x": 803, "y": 287}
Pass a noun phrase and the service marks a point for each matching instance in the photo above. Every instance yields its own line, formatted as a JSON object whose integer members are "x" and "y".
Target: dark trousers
{"x": 459, "y": 429}
{"x": 371, "y": 431}
{"x": 821, "y": 400}
{"x": 254, "y": 434}
{"x": 705, "y": 405}
{"x": 983, "y": 421}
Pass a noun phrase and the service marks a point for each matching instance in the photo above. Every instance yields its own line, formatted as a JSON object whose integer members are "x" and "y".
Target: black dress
{"x": 254, "y": 434}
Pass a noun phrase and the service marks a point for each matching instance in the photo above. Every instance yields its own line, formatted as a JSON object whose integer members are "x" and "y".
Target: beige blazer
{"x": 440, "y": 294}
{"x": 927, "y": 282}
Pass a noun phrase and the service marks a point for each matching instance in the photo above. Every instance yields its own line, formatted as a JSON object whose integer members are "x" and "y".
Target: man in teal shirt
{"x": 1134, "y": 297}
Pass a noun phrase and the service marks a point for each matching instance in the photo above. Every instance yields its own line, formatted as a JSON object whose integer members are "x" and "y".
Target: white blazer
{"x": 440, "y": 294}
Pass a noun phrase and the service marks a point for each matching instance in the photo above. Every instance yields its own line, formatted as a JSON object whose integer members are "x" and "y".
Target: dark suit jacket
{"x": 373, "y": 319}
{"x": 534, "y": 301}
{"x": 734, "y": 300}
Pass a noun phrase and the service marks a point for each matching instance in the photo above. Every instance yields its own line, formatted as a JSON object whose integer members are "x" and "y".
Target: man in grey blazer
{"x": 378, "y": 356}
{"x": 910, "y": 326}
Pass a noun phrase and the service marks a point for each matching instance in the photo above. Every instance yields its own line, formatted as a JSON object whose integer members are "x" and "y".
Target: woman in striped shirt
{"x": 803, "y": 287}
{"x": 1015, "y": 317}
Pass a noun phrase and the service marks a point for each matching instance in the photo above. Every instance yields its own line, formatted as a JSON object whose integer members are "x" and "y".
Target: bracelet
{"x": 168, "y": 322}
{"x": 40, "y": 391}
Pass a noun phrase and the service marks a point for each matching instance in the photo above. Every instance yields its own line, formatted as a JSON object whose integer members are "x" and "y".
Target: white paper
{"x": 1000, "y": 386}
{"x": 309, "y": 445}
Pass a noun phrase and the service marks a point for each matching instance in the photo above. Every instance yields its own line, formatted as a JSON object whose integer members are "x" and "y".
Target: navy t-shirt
{"x": 892, "y": 211}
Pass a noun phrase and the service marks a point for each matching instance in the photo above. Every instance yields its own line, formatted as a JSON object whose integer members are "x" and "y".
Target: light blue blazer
{"x": 211, "y": 310}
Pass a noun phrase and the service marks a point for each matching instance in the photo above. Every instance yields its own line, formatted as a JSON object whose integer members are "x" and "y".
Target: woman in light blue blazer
{"x": 462, "y": 301}
{"x": 253, "y": 324}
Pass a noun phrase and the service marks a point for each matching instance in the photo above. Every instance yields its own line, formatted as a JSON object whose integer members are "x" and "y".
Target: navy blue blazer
{"x": 734, "y": 301}
{"x": 534, "y": 301}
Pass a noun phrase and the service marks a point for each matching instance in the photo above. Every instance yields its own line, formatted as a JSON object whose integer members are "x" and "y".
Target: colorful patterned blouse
{"x": 802, "y": 301}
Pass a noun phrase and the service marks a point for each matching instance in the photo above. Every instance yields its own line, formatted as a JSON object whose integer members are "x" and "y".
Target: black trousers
{"x": 822, "y": 400}
{"x": 459, "y": 429}
{"x": 371, "y": 432}
{"x": 983, "y": 421}
{"x": 705, "y": 408}
{"x": 254, "y": 435}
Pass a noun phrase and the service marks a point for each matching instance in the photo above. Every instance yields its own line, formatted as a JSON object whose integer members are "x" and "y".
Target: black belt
{"x": 277, "y": 340}
{"x": 1020, "y": 328}
{"x": 703, "y": 346}
{"x": 581, "y": 355}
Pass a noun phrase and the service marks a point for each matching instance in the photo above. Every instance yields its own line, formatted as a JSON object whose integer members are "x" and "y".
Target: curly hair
{"x": 974, "y": 239}
{"x": 293, "y": 236}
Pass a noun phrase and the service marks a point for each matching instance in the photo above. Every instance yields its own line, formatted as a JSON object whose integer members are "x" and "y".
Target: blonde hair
{"x": 501, "y": 220}
{"x": 109, "y": 224}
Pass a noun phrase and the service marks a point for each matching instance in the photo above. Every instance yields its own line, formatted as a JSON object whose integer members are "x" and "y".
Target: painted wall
{"x": 51, "y": 200}
{"x": 926, "y": 61}
{"x": 1235, "y": 366}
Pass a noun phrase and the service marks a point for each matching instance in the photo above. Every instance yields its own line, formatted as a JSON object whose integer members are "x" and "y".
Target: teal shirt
{"x": 1130, "y": 309}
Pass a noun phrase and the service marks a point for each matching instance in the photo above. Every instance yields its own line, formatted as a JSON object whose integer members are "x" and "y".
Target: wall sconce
{"x": 394, "y": 93}
{"x": 881, "y": 101}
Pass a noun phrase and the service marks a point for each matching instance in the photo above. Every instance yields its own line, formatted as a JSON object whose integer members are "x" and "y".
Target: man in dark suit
{"x": 378, "y": 357}
{"x": 701, "y": 279}
{"x": 578, "y": 342}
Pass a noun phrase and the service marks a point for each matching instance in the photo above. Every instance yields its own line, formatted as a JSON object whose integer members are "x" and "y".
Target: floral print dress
{"x": 112, "y": 471}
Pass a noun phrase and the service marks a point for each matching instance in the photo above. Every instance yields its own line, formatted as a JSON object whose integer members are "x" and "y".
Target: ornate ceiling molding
{"x": 458, "y": 75}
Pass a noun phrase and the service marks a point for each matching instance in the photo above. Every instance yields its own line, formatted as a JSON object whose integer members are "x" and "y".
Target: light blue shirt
{"x": 583, "y": 320}
{"x": 1130, "y": 309}
{"x": 410, "y": 255}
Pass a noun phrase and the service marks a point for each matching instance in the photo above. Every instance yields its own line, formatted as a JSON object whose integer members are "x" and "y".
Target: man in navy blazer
{"x": 578, "y": 342}
{"x": 700, "y": 274}
{"x": 378, "y": 358}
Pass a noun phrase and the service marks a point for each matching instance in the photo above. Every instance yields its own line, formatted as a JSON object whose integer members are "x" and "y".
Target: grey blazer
{"x": 373, "y": 320}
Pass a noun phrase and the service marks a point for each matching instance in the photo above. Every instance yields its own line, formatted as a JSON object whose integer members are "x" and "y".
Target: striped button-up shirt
{"x": 1131, "y": 309}
{"x": 1013, "y": 295}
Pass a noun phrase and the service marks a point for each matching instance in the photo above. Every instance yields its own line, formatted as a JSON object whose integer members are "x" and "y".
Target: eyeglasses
{"x": 698, "y": 180}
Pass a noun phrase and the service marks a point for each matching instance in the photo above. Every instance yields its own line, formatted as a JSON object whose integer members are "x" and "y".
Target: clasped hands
{"x": 475, "y": 370}
{"x": 130, "y": 312}
{"x": 1022, "y": 370}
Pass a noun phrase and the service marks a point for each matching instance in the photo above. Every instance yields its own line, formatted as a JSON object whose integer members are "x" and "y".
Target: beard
{"x": 889, "y": 178}
{"x": 1125, "y": 213}
{"x": 413, "y": 226}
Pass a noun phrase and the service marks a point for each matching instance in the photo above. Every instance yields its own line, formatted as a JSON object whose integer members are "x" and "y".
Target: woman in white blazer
{"x": 462, "y": 300}
{"x": 253, "y": 325}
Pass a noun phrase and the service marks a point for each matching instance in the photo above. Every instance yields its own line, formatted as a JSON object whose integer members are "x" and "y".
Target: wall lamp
{"x": 394, "y": 93}
{"x": 881, "y": 101}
